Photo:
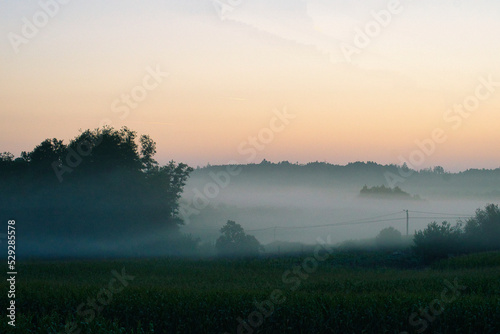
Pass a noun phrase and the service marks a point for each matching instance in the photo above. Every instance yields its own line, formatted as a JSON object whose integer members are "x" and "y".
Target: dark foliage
{"x": 104, "y": 183}
{"x": 387, "y": 192}
{"x": 235, "y": 242}
{"x": 482, "y": 232}
{"x": 437, "y": 241}
{"x": 389, "y": 238}
{"x": 479, "y": 233}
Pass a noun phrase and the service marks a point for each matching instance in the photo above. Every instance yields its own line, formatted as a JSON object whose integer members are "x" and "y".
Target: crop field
{"x": 266, "y": 295}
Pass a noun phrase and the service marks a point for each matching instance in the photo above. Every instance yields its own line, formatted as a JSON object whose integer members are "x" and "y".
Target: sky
{"x": 218, "y": 81}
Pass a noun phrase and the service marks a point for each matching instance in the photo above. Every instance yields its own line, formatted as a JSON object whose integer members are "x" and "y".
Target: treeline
{"x": 477, "y": 234}
{"x": 105, "y": 183}
{"x": 427, "y": 182}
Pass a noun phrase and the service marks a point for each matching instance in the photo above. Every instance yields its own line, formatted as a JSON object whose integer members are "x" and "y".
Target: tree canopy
{"x": 235, "y": 242}
{"x": 104, "y": 182}
{"x": 389, "y": 238}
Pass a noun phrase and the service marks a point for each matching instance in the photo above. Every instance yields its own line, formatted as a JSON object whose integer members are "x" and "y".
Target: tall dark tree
{"x": 109, "y": 185}
{"x": 235, "y": 242}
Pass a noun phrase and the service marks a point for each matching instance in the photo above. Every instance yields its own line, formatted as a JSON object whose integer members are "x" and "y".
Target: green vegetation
{"x": 477, "y": 234}
{"x": 389, "y": 238}
{"x": 103, "y": 185}
{"x": 386, "y": 192}
{"x": 208, "y": 296}
{"x": 470, "y": 261}
{"x": 235, "y": 242}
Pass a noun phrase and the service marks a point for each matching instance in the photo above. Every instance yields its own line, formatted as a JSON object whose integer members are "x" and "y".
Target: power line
{"x": 342, "y": 223}
{"x": 434, "y": 217}
{"x": 350, "y": 222}
{"x": 441, "y": 213}
{"x": 369, "y": 220}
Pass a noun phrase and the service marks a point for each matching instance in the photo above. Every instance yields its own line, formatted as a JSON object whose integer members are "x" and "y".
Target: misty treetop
{"x": 104, "y": 182}
{"x": 389, "y": 238}
{"x": 235, "y": 242}
{"x": 386, "y": 192}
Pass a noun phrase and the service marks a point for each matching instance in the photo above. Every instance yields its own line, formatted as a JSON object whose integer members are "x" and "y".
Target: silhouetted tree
{"x": 107, "y": 150}
{"x": 235, "y": 242}
{"x": 383, "y": 191}
{"x": 482, "y": 232}
{"x": 42, "y": 157}
{"x": 165, "y": 186}
{"x": 438, "y": 241}
{"x": 438, "y": 170}
{"x": 148, "y": 150}
{"x": 111, "y": 185}
{"x": 6, "y": 156}
{"x": 389, "y": 238}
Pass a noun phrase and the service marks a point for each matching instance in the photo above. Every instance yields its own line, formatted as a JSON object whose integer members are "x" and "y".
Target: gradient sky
{"x": 227, "y": 73}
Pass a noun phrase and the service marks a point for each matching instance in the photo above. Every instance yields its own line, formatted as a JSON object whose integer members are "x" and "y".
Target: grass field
{"x": 274, "y": 295}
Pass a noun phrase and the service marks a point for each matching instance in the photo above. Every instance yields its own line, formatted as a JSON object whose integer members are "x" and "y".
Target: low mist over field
{"x": 297, "y": 198}
{"x": 127, "y": 204}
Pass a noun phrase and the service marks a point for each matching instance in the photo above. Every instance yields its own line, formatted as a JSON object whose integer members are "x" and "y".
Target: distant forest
{"x": 435, "y": 182}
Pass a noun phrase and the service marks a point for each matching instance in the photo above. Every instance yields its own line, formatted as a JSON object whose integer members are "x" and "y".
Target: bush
{"x": 437, "y": 241}
{"x": 389, "y": 238}
{"x": 482, "y": 232}
{"x": 234, "y": 241}
{"x": 479, "y": 233}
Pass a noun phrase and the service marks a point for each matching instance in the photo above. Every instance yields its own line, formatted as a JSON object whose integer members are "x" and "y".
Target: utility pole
{"x": 274, "y": 238}
{"x": 407, "y": 221}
